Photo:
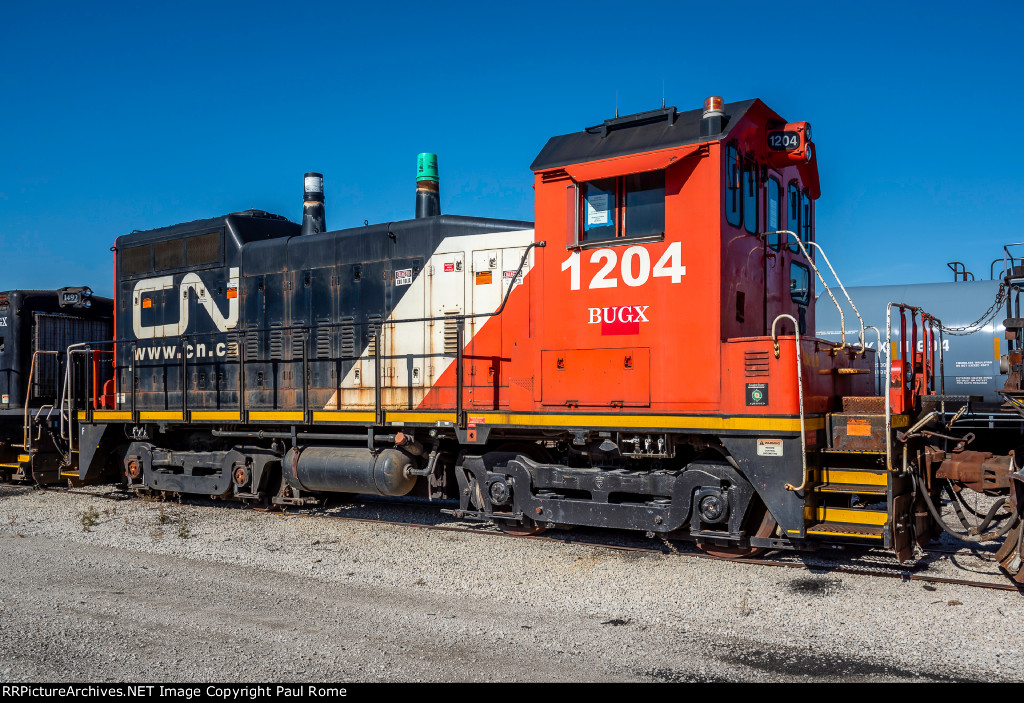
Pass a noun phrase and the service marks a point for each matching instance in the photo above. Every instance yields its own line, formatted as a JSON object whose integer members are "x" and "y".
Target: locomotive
{"x": 641, "y": 357}
{"x": 37, "y": 330}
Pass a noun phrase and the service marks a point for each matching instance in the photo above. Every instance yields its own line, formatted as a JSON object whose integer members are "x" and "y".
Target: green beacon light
{"x": 428, "y": 195}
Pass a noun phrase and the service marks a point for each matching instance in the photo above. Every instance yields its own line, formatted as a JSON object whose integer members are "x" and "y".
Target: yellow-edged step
{"x": 859, "y": 482}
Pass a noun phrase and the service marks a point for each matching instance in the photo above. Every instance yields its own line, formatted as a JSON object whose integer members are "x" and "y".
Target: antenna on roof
{"x": 616, "y": 102}
{"x": 662, "y": 93}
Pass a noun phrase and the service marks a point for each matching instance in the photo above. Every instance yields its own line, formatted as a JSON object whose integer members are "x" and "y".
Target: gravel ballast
{"x": 96, "y": 589}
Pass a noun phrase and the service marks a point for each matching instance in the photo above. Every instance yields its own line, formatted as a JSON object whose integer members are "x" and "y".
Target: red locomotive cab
{"x": 641, "y": 264}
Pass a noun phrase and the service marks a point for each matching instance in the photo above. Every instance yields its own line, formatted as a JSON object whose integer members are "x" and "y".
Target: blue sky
{"x": 119, "y": 117}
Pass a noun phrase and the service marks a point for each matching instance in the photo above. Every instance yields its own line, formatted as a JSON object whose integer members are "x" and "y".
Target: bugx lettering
{"x": 623, "y": 319}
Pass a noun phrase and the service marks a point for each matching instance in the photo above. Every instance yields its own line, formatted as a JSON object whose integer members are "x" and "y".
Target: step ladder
{"x": 849, "y": 493}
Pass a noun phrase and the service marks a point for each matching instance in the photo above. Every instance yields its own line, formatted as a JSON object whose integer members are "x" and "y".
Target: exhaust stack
{"x": 314, "y": 220}
{"x": 428, "y": 195}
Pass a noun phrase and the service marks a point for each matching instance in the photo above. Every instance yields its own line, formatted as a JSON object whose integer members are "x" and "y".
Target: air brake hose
{"x": 996, "y": 534}
{"x": 972, "y": 511}
{"x": 959, "y": 504}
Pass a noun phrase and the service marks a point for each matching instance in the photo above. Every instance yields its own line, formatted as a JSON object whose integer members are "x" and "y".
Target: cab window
{"x": 630, "y": 206}
{"x": 750, "y": 193}
{"x": 733, "y": 212}
{"x": 774, "y": 193}
{"x": 806, "y": 218}
{"x": 645, "y": 204}
{"x": 600, "y": 211}
{"x": 799, "y": 283}
{"x": 793, "y": 213}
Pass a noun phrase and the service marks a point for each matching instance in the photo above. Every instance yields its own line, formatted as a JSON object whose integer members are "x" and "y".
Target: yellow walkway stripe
{"x": 417, "y": 416}
{"x": 768, "y": 424}
{"x": 162, "y": 415}
{"x": 344, "y": 416}
{"x": 112, "y": 415}
{"x": 222, "y": 415}
{"x": 276, "y": 416}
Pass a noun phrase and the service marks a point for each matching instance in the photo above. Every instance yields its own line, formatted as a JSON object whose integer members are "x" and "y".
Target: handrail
{"x": 880, "y": 350}
{"x": 65, "y": 394}
{"x": 25, "y": 444}
{"x": 800, "y": 395}
{"x": 1007, "y": 255}
{"x": 842, "y": 317}
{"x": 888, "y": 364}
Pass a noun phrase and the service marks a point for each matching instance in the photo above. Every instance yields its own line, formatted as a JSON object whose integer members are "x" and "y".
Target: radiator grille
{"x": 203, "y": 249}
{"x": 136, "y": 259}
{"x": 168, "y": 255}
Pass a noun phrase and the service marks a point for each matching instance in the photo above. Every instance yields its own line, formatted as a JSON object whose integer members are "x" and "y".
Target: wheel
{"x": 765, "y": 526}
{"x": 525, "y": 527}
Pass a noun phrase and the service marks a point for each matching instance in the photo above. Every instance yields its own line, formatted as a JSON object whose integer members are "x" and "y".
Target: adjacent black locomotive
{"x": 37, "y": 328}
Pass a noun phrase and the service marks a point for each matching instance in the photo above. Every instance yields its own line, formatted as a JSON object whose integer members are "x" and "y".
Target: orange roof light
{"x": 713, "y": 105}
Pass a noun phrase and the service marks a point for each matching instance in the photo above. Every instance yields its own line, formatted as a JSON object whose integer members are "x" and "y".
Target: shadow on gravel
{"x": 788, "y": 662}
{"x": 811, "y": 586}
{"x": 7, "y": 489}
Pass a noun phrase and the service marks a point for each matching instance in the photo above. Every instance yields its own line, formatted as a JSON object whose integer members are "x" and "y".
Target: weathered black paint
{"x": 315, "y": 297}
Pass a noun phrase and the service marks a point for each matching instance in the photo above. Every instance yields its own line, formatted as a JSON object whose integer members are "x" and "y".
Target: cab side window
{"x": 774, "y": 193}
{"x": 631, "y": 206}
{"x": 733, "y": 211}
{"x": 794, "y": 209}
{"x": 600, "y": 209}
{"x": 806, "y": 218}
{"x": 799, "y": 283}
{"x": 751, "y": 190}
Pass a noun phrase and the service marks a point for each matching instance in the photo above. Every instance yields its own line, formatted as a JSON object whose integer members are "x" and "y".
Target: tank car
{"x": 972, "y": 361}
{"x": 641, "y": 357}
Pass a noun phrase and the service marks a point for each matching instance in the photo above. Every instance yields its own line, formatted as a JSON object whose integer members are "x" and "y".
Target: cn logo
{"x": 173, "y": 329}
{"x": 623, "y": 319}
